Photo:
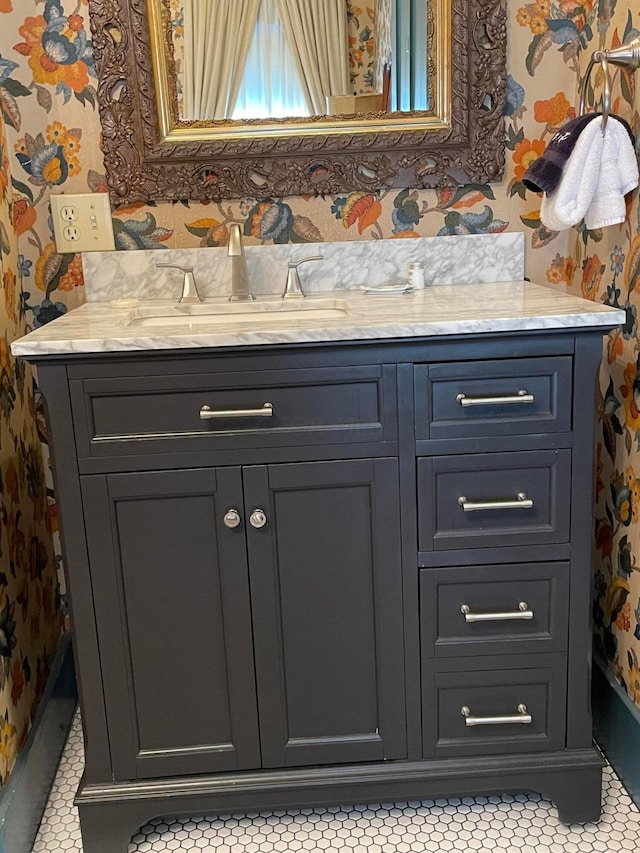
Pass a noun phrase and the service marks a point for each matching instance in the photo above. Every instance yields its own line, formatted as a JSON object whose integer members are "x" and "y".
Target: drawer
{"x": 235, "y": 410}
{"x": 488, "y": 398}
{"x": 484, "y": 610}
{"x": 494, "y": 499}
{"x": 493, "y": 711}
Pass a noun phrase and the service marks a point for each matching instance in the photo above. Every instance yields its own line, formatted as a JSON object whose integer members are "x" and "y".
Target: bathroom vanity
{"x": 329, "y": 561}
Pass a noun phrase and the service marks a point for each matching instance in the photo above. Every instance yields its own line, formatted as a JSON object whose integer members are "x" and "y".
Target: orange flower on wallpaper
{"x": 632, "y": 415}
{"x": 634, "y": 487}
{"x": 614, "y": 345}
{"x": 525, "y": 153}
{"x": 554, "y": 111}
{"x": 24, "y": 216}
{"x": 10, "y": 294}
{"x": 570, "y": 6}
{"x": 8, "y": 744}
{"x": 65, "y": 270}
{"x": 6, "y": 363}
{"x": 533, "y": 16}
{"x": 42, "y": 63}
{"x": 623, "y": 619}
{"x": 561, "y": 269}
{"x": 12, "y": 482}
{"x": 5, "y": 6}
{"x": 361, "y": 208}
{"x": 73, "y": 276}
{"x": 592, "y": 270}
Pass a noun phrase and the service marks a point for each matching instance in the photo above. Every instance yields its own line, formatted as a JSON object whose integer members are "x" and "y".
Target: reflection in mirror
{"x": 261, "y": 59}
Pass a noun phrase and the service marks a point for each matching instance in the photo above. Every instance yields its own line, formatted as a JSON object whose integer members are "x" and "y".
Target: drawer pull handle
{"x": 522, "y": 502}
{"x": 521, "y": 397}
{"x": 207, "y": 413}
{"x": 521, "y": 717}
{"x": 522, "y": 612}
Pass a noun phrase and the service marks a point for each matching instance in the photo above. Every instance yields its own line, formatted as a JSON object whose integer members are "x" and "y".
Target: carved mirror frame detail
{"x": 143, "y": 164}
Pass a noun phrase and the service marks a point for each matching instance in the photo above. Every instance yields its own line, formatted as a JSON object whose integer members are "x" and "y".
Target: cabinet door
{"x": 172, "y": 605}
{"x": 327, "y": 611}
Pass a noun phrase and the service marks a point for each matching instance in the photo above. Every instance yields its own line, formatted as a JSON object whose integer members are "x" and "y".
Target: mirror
{"x": 420, "y": 104}
{"x": 262, "y": 59}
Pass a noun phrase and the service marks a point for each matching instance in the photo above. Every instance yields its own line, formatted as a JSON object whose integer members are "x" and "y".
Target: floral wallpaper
{"x": 30, "y": 620}
{"x": 47, "y": 98}
{"x": 362, "y": 47}
{"x": 606, "y": 268}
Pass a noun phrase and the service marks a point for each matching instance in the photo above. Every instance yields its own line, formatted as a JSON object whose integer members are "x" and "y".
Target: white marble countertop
{"x": 439, "y": 310}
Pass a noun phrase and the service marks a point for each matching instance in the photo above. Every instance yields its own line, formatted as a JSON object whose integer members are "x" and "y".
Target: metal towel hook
{"x": 626, "y": 56}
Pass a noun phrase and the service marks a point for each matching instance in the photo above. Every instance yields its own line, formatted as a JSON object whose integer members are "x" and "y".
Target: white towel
{"x": 596, "y": 176}
{"x": 618, "y": 176}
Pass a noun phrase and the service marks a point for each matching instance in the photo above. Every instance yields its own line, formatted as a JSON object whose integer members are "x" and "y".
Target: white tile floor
{"x": 523, "y": 823}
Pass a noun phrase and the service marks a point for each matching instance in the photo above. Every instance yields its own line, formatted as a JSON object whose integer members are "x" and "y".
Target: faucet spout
{"x": 239, "y": 276}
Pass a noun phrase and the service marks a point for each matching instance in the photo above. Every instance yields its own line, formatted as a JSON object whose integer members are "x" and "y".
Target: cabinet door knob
{"x": 232, "y": 518}
{"x": 258, "y": 518}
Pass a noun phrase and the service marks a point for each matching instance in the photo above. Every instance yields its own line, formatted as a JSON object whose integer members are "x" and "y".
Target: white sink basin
{"x": 224, "y": 313}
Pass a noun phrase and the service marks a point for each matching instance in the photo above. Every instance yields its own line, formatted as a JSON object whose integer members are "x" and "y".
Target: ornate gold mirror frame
{"x": 151, "y": 155}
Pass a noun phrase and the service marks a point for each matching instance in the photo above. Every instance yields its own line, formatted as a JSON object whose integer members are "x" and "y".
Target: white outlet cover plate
{"x": 92, "y": 221}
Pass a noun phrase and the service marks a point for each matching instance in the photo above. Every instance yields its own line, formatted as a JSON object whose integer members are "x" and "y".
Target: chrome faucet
{"x": 189, "y": 290}
{"x": 239, "y": 276}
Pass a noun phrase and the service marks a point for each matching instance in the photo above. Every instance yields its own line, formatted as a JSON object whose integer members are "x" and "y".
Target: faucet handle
{"x": 293, "y": 288}
{"x": 189, "y": 290}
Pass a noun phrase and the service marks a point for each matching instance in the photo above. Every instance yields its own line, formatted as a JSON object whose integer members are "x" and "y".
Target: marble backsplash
{"x": 464, "y": 259}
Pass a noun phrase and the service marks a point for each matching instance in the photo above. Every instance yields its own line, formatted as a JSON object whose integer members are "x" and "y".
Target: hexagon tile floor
{"x": 522, "y": 823}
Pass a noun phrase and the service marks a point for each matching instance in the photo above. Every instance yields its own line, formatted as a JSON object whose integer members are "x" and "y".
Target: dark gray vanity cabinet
{"x": 325, "y": 574}
{"x": 197, "y": 571}
{"x": 326, "y": 590}
{"x": 178, "y": 669}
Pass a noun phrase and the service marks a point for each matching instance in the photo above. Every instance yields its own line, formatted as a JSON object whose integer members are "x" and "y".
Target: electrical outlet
{"x": 82, "y": 223}
{"x": 69, "y": 213}
{"x": 71, "y": 233}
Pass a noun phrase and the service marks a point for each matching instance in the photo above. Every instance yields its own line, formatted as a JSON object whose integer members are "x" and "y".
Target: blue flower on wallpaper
{"x": 613, "y": 296}
{"x": 24, "y": 266}
{"x": 46, "y": 164}
{"x": 617, "y": 260}
{"x": 139, "y": 234}
{"x": 7, "y": 67}
{"x": 515, "y": 96}
{"x": 630, "y": 325}
{"x": 47, "y": 311}
{"x": 406, "y": 213}
{"x": 57, "y": 46}
{"x": 599, "y": 584}
{"x": 270, "y": 220}
{"x": 472, "y": 223}
{"x": 338, "y": 206}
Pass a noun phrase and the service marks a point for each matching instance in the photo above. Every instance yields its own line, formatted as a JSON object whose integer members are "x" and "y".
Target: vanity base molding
{"x": 111, "y": 814}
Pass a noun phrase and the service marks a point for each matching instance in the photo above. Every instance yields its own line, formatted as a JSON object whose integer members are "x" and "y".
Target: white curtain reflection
{"x": 217, "y": 39}
{"x": 271, "y": 86}
{"x": 317, "y": 34}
